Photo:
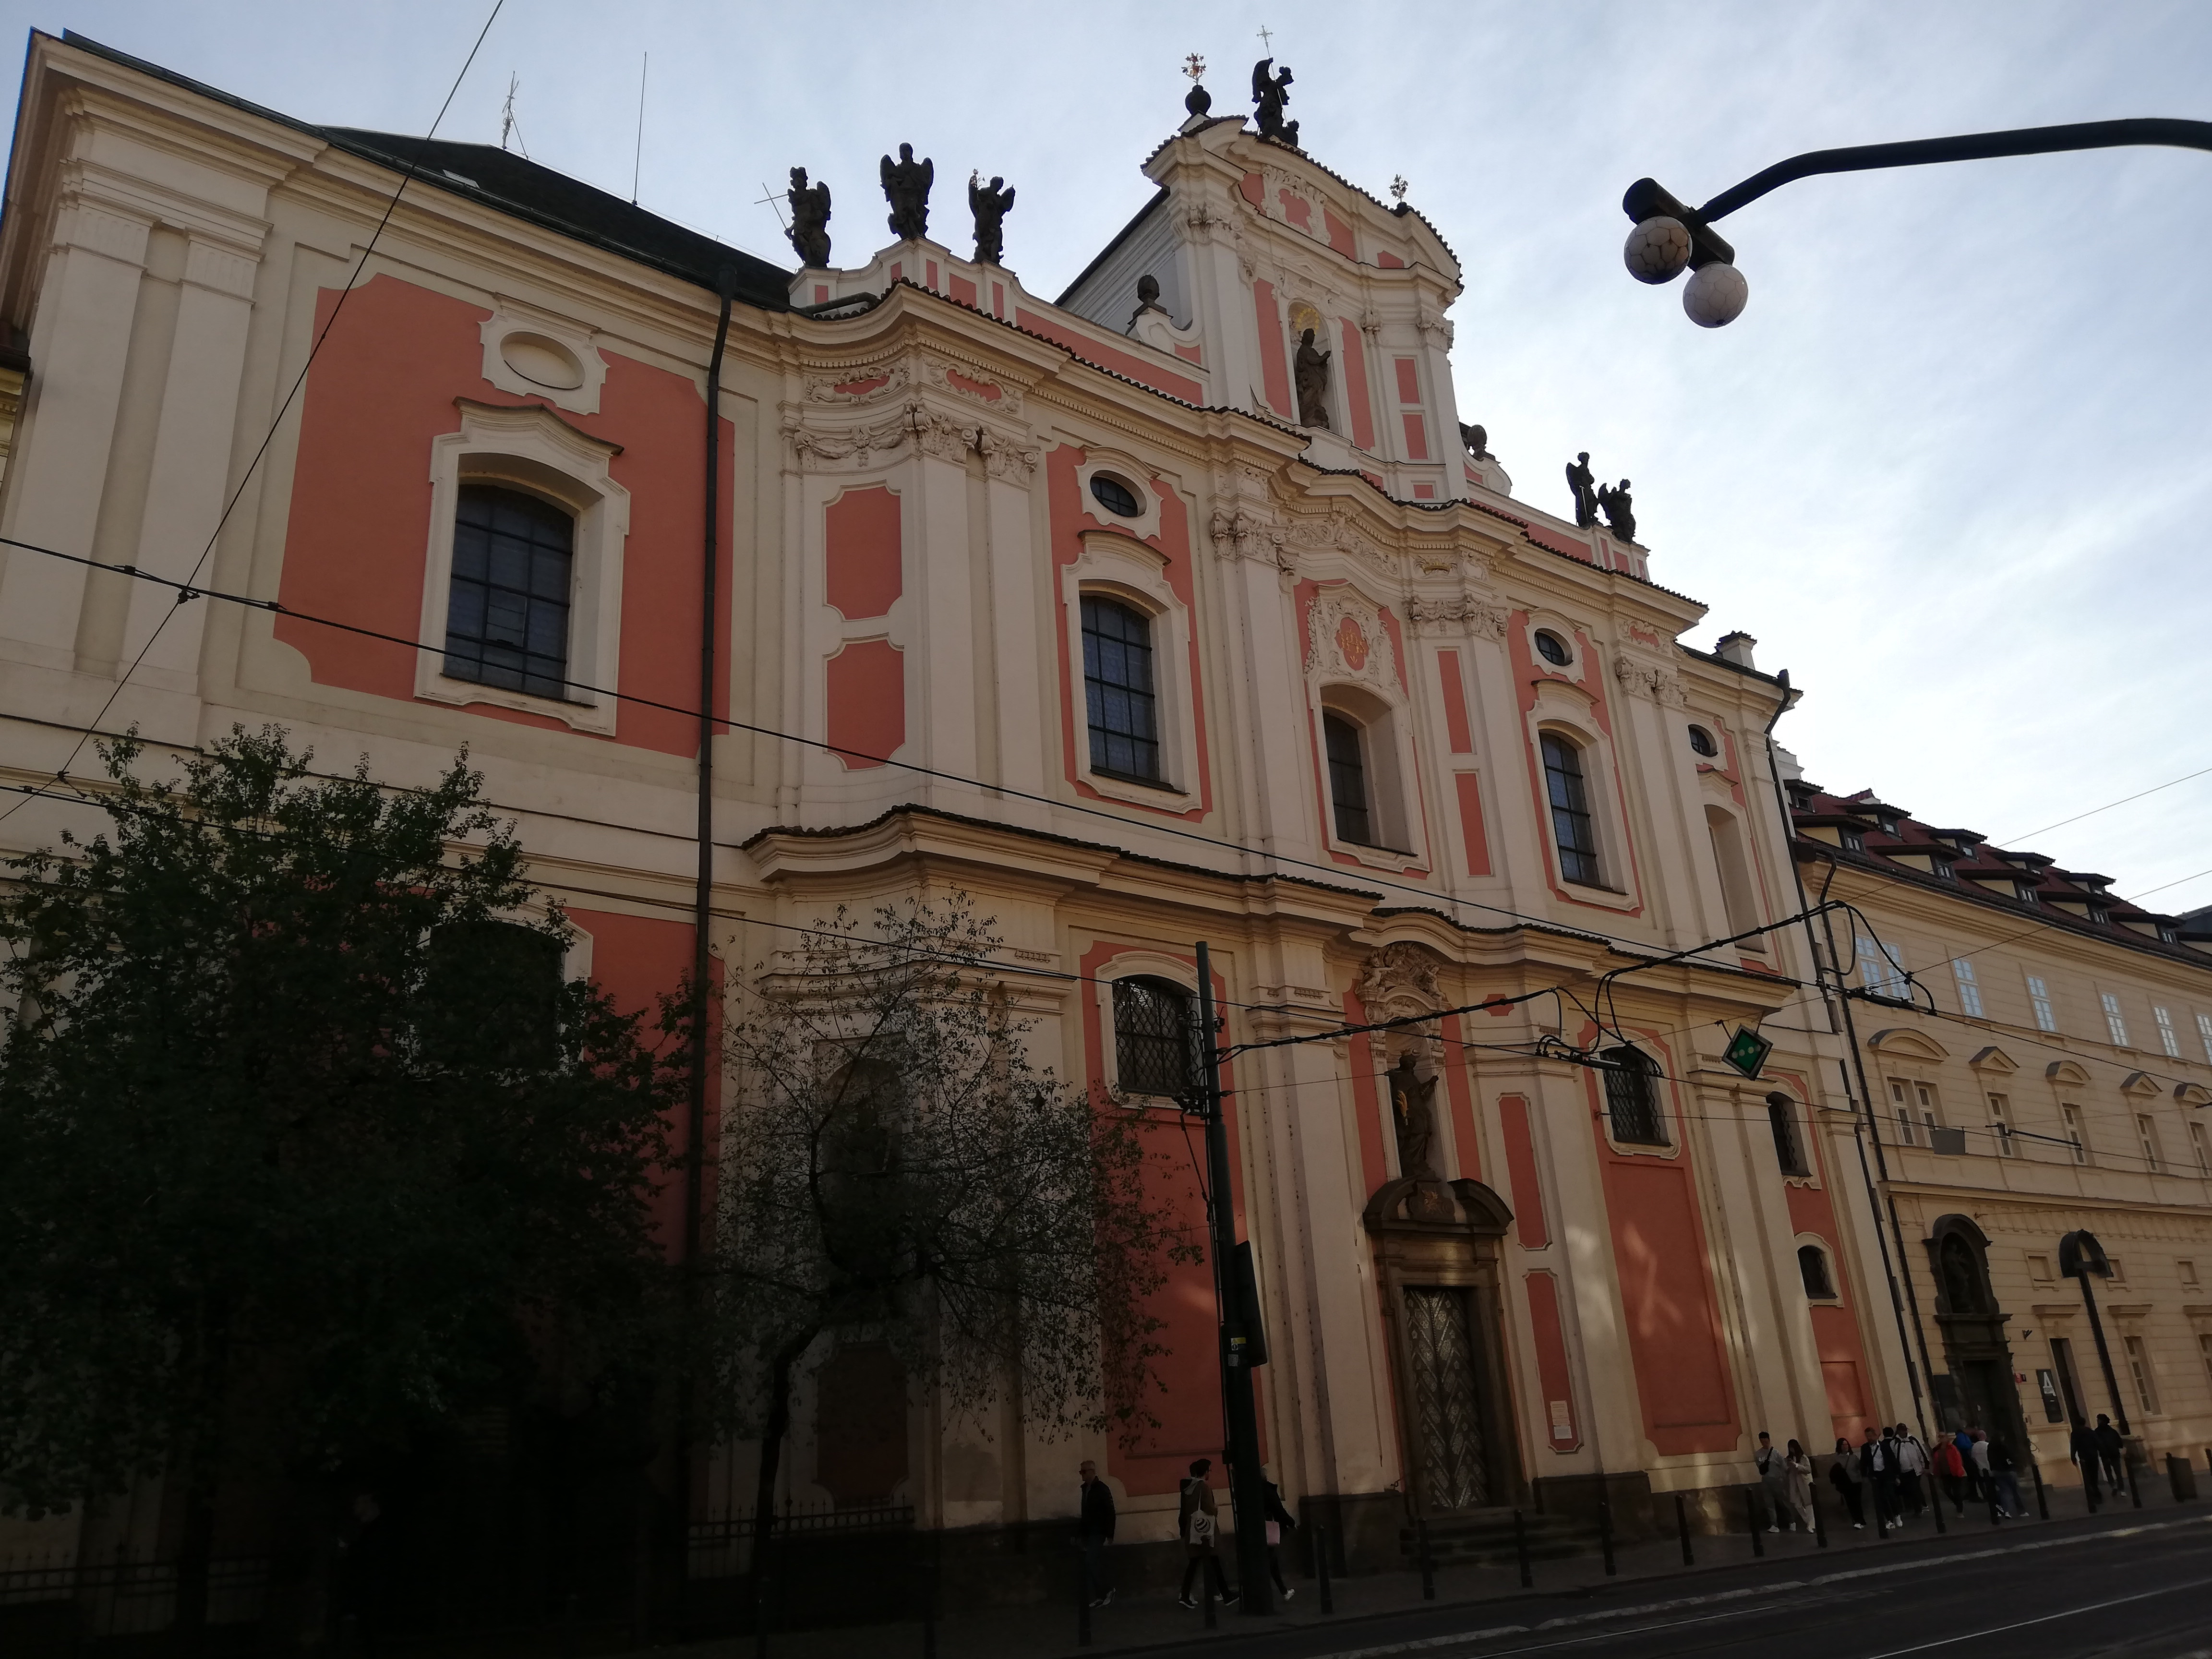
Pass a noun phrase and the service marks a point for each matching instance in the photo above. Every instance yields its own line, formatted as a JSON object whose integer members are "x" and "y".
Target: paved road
{"x": 2135, "y": 1593}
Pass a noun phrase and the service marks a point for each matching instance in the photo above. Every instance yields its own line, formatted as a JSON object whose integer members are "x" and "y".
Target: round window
{"x": 1116, "y": 497}
{"x": 1702, "y": 741}
{"x": 1553, "y": 649}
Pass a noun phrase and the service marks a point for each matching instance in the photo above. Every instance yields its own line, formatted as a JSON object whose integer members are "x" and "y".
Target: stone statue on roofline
{"x": 990, "y": 203}
{"x": 1312, "y": 375}
{"x": 810, "y": 219}
{"x": 906, "y": 187}
{"x": 1148, "y": 299}
{"x": 1477, "y": 442}
{"x": 1583, "y": 483}
{"x": 1270, "y": 93}
{"x": 1619, "y": 511}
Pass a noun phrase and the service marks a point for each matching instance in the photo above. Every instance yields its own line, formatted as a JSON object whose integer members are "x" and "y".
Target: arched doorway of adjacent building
{"x": 1981, "y": 1392}
{"x": 1436, "y": 1253}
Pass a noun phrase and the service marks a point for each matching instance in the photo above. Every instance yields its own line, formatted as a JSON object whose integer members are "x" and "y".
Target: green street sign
{"x": 1747, "y": 1051}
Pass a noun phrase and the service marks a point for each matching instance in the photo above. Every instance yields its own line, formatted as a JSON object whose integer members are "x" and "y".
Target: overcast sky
{"x": 1949, "y": 467}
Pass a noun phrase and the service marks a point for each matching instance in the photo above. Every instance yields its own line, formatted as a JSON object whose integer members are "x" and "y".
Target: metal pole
{"x": 2104, "y": 1360}
{"x": 1321, "y": 1568}
{"x": 1248, "y": 1486}
{"x": 1751, "y": 1515}
{"x": 1683, "y": 1526}
{"x": 1605, "y": 1530}
{"x": 2042, "y": 1497}
{"x": 1521, "y": 1549}
{"x": 1820, "y": 1522}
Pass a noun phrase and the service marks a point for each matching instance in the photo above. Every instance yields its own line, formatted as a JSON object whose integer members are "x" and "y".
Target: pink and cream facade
{"x": 1174, "y": 668}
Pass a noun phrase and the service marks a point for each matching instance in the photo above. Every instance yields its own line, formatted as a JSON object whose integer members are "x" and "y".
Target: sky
{"x": 1949, "y": 467}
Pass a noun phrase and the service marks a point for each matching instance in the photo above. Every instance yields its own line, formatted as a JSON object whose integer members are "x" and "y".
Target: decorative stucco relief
{"x": 1399, "y": 982}
{"x": 1346, "y": 642}
{"x": 1465, "y": 615}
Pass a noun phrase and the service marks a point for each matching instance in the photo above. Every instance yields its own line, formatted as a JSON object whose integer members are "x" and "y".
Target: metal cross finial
{"x": 1267, "y": 40}
{"x": 772, "y": 200}
{"x": 1399, "y": 186}
{"x": 1193, "y": 66}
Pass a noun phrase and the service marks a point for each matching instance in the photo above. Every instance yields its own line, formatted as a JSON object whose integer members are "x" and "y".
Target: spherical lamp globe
{"x": 1715, "y": 295}
{"x": 1657, "y": 250}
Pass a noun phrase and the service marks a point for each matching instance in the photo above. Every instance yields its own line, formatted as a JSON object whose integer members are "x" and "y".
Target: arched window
{"x": 1571, "y": 829}
{"x": 1117, "y": 689}
{"x": 1631, "y": 1100}
{"x": 1813, "y": 1268}
{"x": 1152, "y": 1038}
{"x": 507, "y": 615}
{"x": 1788, "y": 1149}
{"x": 1347, "y": 779}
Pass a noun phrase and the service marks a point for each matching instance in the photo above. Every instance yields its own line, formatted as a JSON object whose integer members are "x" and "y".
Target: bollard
{"x": 1321, "y": 1568}
{"x": 1521, "y": 1548}
{"x": 1683, "y": 1526}
{"x": 1819, "y": 1521}
{"x": 2135, "y": 1486}
{"x": 1751, "y": 1515}
{"x": 1428, "y": 1561}
{"x": 2181, "y": 1476}
{"x": 2042, "y": 1497}
{"x": 1605, "y": 1530}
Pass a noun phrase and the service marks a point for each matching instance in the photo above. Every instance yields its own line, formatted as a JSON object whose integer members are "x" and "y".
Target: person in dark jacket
{"x": 2082, "y": 1446}
{"x": 1878, "y": 1464}
{"x": 1844, "y": 1476}
{"x": 1280, "y": 1523}
{"x": 2111, "y": 1452}
{"x": 1198, "y": 1521}
{"x": 2004, "y": 1472}
{"x": 1094, "y": 1531}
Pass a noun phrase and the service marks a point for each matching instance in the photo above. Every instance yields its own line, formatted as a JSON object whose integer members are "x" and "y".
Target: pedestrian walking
{"x": 1094, "y": 1532}
{"x": 1198, "y": 1519}
{"x": 1878, "y": 1464}
{"x": 1951, "y": 1470}
{"x": 1964, "y": 1440}
{"x": 1799, "y": 1484}
{"x": 2004, "y": 1470}
{"x": 2111, "y": 1452}
{"x": 1843, "y": 1475}
{"x": 1773, "y": 1483}
{"x": 1912, "y": 1467}
{"x": 1279, "y": 1521}
{"x": 2081, "y": 1448}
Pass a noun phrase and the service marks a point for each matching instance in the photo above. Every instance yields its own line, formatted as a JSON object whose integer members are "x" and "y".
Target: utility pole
{"x": 2079, "y": 1255}
{"x": 1242, "y": 1343}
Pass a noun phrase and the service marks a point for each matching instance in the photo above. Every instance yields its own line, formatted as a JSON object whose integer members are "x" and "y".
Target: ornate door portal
{"x": 1448, "y": 1429}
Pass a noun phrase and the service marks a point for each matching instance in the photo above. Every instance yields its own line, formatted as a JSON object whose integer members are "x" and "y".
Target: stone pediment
{"x": 1432, "y": 1206}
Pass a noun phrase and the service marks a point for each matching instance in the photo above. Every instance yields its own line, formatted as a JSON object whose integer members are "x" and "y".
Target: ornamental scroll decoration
{"x": 1238, "y": 534}
{"x": 865, "y": 383}
{"x": 1346, "y": 642}
{"x": 852, "y": 449}
{"x": 1465, "y": 615}
{"x": 1399, "y": 982}
{"x": 1654, "y": 681}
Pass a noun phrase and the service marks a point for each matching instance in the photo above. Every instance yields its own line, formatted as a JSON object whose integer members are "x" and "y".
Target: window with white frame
{"x": 2147, "y": 1132}
{"x": 1813, "y": 1271}
{"x": 2069, "y": 1118}
{"x": 1152, "y": 1038}
{"x": 1900, "y": 1097}
{"x": 1881, "y": 968}
{"x": 2204, "y": 1035}
{"x": 1119, "y": 699}
{"x": 2204, "y": 1349}
{"x": 2202, "y": 1147}
{"x": 2115, "y": 1023}
{"x": 1348, "y": 799}
{"x": 1574, "y": 832}
{"x": 2039, "y": 994}
{"x": 1970, "y": 990}
{"x": 2001, "y": 1126}
{"x": 2140, "y": 1371}
{"x": 2168, "y": 1039}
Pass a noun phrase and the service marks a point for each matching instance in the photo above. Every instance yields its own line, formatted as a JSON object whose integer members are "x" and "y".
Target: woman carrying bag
{"x": 1199, "y": 1521}
{"x": 1843, "y": 1475}
{"x": 1798, "y": 1483}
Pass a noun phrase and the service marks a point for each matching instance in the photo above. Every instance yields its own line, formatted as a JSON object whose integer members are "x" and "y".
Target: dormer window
{"x": 1888, "y": 825}
{"x": 2024, "y": 893}
{"x": 1853, "y": 841}
{"x": 1942, "y": 869}
{"x": 2099, "y": 914}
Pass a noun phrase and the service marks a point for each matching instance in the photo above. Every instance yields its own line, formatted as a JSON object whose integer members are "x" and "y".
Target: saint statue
{"x": 990, "y": 203}
{"x": 1270, "y": 93}
{"x": 1312, "y": 377}
{"x": 1619, "y": 511}
{"x": 810, "y": 219}
{"x": 1148, "y": 299}
{"x": 1584, "y": 485}
{"x": 906, "y": 187}
{"x": 1412, "y": 1111}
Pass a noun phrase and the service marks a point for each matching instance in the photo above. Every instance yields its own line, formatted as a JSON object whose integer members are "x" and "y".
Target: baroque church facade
{"x": 1180, "y": 607}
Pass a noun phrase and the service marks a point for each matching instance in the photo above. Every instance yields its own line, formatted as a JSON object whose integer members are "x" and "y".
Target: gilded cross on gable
{"x": 1266, "y": 40}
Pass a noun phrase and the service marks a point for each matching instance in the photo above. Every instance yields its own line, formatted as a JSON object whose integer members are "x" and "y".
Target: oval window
{"x": 1702, "y": 741}
{"x": 1115, "y": 496}
{"x": 1553, "y": 649}
{"x": 542, "y": 361}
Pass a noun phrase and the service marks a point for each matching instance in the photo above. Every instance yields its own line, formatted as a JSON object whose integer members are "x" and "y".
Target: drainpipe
{"x": 1860, "y": 1129}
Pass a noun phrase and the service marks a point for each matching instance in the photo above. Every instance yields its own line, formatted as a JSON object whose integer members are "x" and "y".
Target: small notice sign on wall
{"x": 1563, "y": 1421}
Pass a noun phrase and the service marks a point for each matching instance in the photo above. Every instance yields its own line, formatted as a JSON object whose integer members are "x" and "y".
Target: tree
{"x": 893, "y": 1165}
{"x": 305, "y": 1144}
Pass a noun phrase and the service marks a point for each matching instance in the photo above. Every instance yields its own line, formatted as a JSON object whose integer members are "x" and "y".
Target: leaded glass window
{"x": 506, "y": 614}
{"x": 1571, "y": 827}
{"x": 1152, "y": 1038}
{"x": 1631, "y": 1101}
{"x": 1347, "y": 779}
{"x": 1117, "y": 689}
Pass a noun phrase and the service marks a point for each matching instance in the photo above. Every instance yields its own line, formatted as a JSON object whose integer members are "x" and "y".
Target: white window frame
{"x": 1116, "y": 567}
{"x": 2167, "y": 1038}
{"x": 532, "y": 450}
{"x": 2038, "y": 995}
{"x": 2147, "y": 1132}
{"x": 2199, "y": 1145}
{"x": 1133, "y": 964}
{"x": 1970, "y": 990}
{"x": 2069, "y": 1119}
{"x": 2000, "y": 1122}
{"x": 2140, "y": 1369}
{"x": 1881, "y": 968}
{"x": 2116, "y": 1023}
{"x": 1386, "y": 768}
{"x": 2204, "y": 1031}
{"x": 1906, "y": 1130}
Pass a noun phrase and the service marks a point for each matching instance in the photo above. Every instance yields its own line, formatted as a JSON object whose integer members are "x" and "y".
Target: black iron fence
{"x": 120, "y": 1596}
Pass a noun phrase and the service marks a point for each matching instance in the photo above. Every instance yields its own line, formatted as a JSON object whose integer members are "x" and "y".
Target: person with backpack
{"x": 1912, "y": 1465}
{"x": 1773, "y": 1483}
{"x": 1878, "y": 1464}
{"x": 1844, "y": 1476}
{"x": 1198, "y": 1521}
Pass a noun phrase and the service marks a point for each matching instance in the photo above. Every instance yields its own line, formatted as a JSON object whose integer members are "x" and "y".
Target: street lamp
{"x": 1670, "y": 238}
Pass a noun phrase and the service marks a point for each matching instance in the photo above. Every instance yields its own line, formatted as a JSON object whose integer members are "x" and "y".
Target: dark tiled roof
{"x": 523, "y": 189}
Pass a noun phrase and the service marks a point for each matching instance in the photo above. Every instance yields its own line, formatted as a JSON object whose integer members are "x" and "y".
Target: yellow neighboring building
{"x": 2039, "y": 1051}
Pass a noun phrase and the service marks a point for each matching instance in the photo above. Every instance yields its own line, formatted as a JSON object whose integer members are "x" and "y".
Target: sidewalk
{"x": 1152, "y": 1618}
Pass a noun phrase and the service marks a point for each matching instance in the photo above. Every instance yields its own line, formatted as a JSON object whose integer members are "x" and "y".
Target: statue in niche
{"x": 1477, "y": 442}
{"x": 1270, "y": 93}
{"x": 990, "y": 203}
{"x": 1312, "y": 377}
{"x": 1412, "y": 1112}
{"x": 810, "y": 219}
{"x": 1583, "y": 483}
{"x": 1148, "y": 299}
{"x": 1620, "y": 510}
{"x": 906, "y": 187}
